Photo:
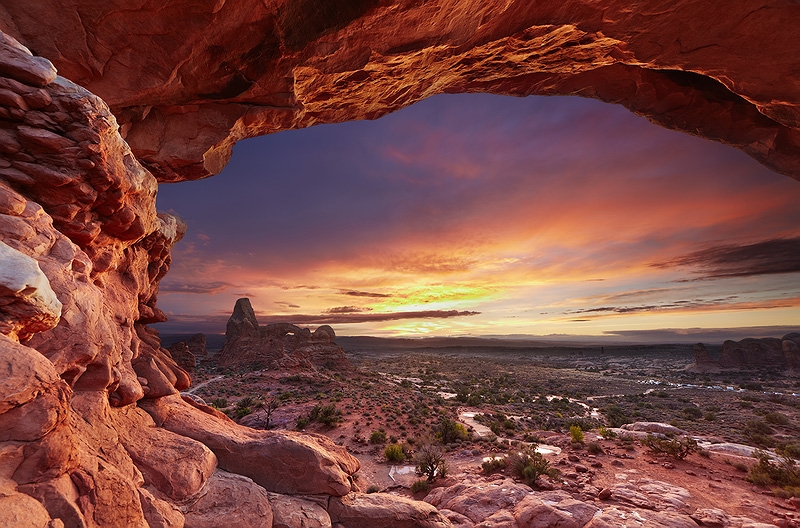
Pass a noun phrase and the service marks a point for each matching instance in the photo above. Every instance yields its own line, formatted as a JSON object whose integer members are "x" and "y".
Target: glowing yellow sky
{"x": 480, "y": 215}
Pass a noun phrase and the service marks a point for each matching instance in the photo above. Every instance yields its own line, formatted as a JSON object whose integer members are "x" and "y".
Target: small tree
{"x": 268, "y": 406}
{"x": 430, "y": 462}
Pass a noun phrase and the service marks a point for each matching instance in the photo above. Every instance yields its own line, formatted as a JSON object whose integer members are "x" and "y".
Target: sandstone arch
{"x": 189, "y": 80}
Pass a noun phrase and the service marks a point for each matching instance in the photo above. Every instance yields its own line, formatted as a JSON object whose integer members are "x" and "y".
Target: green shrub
{"x": 576, "y": 433}
{"x": 378, "y": 437}
{"x": 789, "y": 450}
{"x": 394, "y": 453}
{"x": 448, "y": 431}
{"x": 782, "y": 473}
{"x": 493, "y": 465}
{"x": 420, "y": 485}
{"x": 692, "y": 413}
{"x": 529, "y": 465}
{"x": 219, "y": 403}
{"x": 326, "y": 414}
{"x": 615, "y": 415}
{"x": 302, "y": 422}
{"x": 373, "y": 489}
{"x": 710, "y": 417}
{"x": 678, "y": 448}
{"x": 605, "y": 432}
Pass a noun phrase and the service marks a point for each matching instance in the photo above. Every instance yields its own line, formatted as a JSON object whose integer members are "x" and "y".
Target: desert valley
{"x": 385, "y": 374}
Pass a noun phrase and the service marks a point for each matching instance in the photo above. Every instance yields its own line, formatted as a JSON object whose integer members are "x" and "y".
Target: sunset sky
{"x": 487, "y": 215}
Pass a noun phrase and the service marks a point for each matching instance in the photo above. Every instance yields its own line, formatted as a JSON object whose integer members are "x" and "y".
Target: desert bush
{"x": 789, "y": 450}
{"x": 302, "y": 422}
{"x": 394, "y": 453}
{"x": 710, "y": 417}
{"x": 448, "y": 431}
{"x": 605, "y": 432}
{"x": 593, "y": 448}
{"x": 326, "y": 414}
{"x": 529, "y": 465}
{"x": 678, "y": 447}
{"x": 692, "y": 413}
{"x": 494, "y": 464}
{"x": 776, "y": 418}
{"x": 615, "y": 415}
{"x": 373, "y": 489}
{"x": 430, "y": 462}
{"x": 378, "y": 437}
{"x": 576, "y": 433}
{"x": 420, "y": 485}
{"x": 782, "y": 473}
{"x": 219, "y": 403}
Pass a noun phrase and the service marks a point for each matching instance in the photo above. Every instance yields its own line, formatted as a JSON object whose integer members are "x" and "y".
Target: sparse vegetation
{"x": 378, "y": 437}
{"x": 493, "y": 465}
{"x": 528, "y": 465}
{"x": 678, "y": 447}
{"x": 430, "y": 462}
{"x": 782, "y": 474}
{"x": 420, "y": 485}
{"x": 326, "y": 414}
{"x": 394, "y": 453}
{"x": 576, "y": 434}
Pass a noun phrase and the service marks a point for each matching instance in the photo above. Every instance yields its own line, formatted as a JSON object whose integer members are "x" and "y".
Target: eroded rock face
{"x": 186, "y": 88}
{"x": 82, "y": 253}
{"x": 282, "y": 346}
{"x": 752, "y": 353}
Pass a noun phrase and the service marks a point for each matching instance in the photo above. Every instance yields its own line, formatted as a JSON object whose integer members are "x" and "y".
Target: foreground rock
{"x": 282, "y": 462}
{"x": 380, "y": 510}
{"x": 277, "y": 346}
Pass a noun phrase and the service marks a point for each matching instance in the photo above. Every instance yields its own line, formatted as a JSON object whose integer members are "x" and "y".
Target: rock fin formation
{"x": 277, "y": 346}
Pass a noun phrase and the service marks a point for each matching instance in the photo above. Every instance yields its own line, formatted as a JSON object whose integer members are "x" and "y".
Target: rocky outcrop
{"x": 82, "y": 253}
{"x": 181, "y": 354}
{"x": 197, "y": 346}
{"x": 791, "y": 352}
{"x": 752, "y": 353}
{"x": 702, "y": 359}
{"x": 186, "y": 88}
{"x": 277, "y": 346}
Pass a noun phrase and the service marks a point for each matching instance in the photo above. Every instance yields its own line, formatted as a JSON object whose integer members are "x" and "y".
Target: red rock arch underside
{"x": 93, "y": 430}
{"x": 189, "y": 79}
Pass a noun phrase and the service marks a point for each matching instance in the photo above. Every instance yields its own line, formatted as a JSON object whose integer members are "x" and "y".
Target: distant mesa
{"x": 277, "y": 346}
{"x": 751, "y": 353}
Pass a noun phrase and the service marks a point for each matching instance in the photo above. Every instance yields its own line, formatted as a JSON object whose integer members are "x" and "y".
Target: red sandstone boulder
{"x": 381, "y": 510}
{"x": 229, "y": 500}
{"x": 285, "y": 462}
{"x": 296, "y": 512}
